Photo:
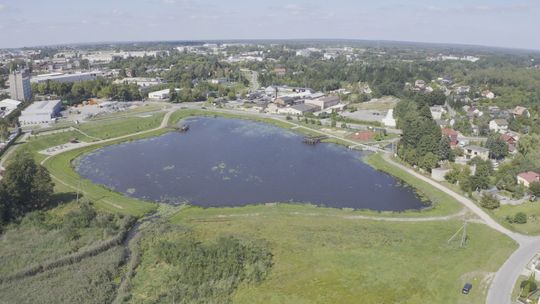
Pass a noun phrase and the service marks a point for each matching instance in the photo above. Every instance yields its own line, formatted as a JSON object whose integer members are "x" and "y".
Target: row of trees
{"x": 79, "y": 91}
{"x": 26, "y": 186}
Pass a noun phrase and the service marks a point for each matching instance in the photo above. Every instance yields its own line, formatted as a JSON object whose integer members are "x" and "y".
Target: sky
{"x": 503, "y": 23}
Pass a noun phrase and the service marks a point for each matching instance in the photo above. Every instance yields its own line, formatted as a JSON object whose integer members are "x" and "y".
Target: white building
{"x": 40, "y": 112}
{"x": 7, "y": 106}
{"x": 19, "y": 85}
{"x": 389, "y": 120}
{"x": 437, "y": 112}
{"x": 66, "y": 78}
{"x": 162, "y": 94}
{"x": 141, "y": 81}
{"x": 498, "y": 125}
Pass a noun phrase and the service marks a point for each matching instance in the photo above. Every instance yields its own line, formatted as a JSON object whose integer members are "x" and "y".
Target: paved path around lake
{"x": 500, "y": 290}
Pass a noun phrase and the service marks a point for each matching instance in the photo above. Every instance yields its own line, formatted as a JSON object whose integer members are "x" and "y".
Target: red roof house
{"x": 526, "y": 178}
{"x": 452, "y": 134}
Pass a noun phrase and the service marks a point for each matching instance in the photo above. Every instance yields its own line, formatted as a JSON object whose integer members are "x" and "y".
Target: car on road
{"x": 466, "y": 288}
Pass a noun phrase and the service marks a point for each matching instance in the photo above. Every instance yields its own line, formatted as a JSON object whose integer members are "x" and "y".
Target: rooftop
{"x": 477, "y": 149}
{"x": 530, "y": 176}
{"x": 41, "y": 106}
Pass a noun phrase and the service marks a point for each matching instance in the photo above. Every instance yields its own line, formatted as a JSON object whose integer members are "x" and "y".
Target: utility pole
{"x": 463, "y": 230}
{"x": 78, "y": 190}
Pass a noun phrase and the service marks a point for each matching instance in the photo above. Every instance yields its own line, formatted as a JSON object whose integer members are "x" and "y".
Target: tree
{"x": 4, "y": 130}
{"x": 26, "y": 186}
{"x": 445, "y": 151}
{"x": 528, "y": 144}
{"x": 534, "y": 188}
{"x": 498, "y": 148}
{"x": 489, "y": 201}
{"x": 429, "y": 161}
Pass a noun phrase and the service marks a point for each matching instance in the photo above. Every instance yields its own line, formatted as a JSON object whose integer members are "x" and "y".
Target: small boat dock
{"x": 313, "y": 140}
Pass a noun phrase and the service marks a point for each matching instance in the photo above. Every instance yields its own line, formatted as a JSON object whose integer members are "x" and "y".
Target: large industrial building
{"x": 325, "y": 102}
{"x": 19, "y": 85}
{"x": 40, "y": 112}
{"x": 66, "y": 78}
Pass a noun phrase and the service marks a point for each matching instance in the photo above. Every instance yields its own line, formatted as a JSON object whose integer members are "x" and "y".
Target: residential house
{"x": 475, "y": 151}
{"x": 521, "y": 111}
{"x": 420, "y": 84}
{"x": 280, "y": 71}
{"x": 498, "y": 125}
{"x": 488, "y": 94}
{"x": 527, "y": 178}
{"x": 510, "y": 141}
{"x": 437, "y": 112}
{"x": 463, "y": 89}
{"x": 452, "y": 134}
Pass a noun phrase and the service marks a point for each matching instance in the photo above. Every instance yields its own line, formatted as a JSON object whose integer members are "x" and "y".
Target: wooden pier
{"x": 313, "y": 140}
{"x": 182, "y": 128}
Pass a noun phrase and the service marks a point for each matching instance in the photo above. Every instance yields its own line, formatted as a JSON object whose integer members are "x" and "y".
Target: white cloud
{"x": 2, "y": 7}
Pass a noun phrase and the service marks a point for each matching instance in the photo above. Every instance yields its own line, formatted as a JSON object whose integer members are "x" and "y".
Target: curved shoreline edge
{"x": 63, "y": 172}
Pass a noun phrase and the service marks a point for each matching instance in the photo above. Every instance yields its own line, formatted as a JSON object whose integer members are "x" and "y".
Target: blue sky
{"x": 507, "y": 23}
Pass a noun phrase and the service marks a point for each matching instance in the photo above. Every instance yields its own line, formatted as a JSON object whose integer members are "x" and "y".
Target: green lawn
{"x": 532, "y": 210}
{"x": 442, "y": 202}
{"x": 61, "y": 168}
{"x": 321, "y": 257}
{"x": 105, "y": 129}
{"x": 185, "y": 113}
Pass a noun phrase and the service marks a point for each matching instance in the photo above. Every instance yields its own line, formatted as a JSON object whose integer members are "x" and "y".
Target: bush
{"x": 535, "y": 189}
{"x": 208, "y": 272}
{"x": 520, "y": 218}
{"x": 489, "y": 201}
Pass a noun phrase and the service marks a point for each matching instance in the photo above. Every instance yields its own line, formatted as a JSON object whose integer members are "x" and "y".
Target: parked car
{"x": 466, "y": 288}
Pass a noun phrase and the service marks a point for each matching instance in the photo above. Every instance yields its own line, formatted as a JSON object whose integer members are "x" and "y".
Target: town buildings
{"x": 498, "y": 125}
{"x": 19, "y": 85}
{"x": 66, "y": 78}
{"x": 7, "y": 106}
{"x": 324, "y": 102}
{"x": 40, "y": 112}
{"x": 141, "y": 81}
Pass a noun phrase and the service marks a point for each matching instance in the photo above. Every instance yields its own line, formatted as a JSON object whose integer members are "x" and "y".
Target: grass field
{"x": 105, "y": 129}
{"x": 321, "y": 258}
{"x": 532, "y": 227}
{"x": 61, "y": 168}
{"x": 442, "y": 202}
{"x": 186, "y": 113}
{"x": 94, "y": 280}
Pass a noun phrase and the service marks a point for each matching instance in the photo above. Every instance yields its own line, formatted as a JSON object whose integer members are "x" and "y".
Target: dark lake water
{"x": 228, "y": 162}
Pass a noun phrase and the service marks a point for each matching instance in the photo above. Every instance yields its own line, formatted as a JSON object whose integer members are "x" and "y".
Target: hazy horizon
{"x": 496, "y": 23}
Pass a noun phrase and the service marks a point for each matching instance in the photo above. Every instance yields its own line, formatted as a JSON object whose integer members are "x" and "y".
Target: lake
{"x": 231, "y": 162}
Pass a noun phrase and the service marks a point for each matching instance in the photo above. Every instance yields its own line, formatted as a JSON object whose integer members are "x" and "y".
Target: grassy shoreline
{"x": 61, "y": 167}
